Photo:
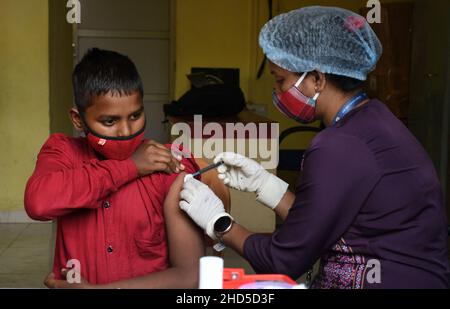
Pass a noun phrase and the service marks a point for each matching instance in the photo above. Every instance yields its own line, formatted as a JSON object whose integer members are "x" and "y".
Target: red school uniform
{"x": 108, "y": 219}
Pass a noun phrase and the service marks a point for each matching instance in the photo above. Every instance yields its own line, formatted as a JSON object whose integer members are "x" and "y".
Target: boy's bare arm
{"x": 186, "y": 246}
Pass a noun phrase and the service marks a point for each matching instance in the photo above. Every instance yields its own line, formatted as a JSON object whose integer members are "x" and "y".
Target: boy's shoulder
{"x": 61, "y": 138}
{"x": 65, "y": 143}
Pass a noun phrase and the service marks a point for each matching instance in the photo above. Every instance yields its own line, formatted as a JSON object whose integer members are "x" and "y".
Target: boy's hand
{"x": 151, "y": 157}
{"x": 53, "y": 283}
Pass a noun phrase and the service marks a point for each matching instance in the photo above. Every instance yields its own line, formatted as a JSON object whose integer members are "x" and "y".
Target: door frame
{"x": 170, "y": 35}
{"x": 76, "y": 34}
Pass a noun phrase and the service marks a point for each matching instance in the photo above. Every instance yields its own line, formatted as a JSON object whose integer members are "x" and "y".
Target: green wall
{"x": 61, "y": 65}
{"x": 24, "y": 94}
{"x": 212, "y": 34}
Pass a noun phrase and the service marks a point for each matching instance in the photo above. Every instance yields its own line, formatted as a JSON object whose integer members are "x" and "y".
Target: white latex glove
{"x": 247, "y": 175}
{"x": 201, "y": 204}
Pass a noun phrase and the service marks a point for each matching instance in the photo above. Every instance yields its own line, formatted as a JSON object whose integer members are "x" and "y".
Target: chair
{"x": 290, "y": 159}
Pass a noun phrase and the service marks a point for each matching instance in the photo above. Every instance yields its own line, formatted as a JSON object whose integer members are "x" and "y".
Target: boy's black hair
{"x": 103, "y": 71}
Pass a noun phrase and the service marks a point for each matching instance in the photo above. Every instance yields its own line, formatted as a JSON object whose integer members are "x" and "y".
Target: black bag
{"x": 219, "y": 100}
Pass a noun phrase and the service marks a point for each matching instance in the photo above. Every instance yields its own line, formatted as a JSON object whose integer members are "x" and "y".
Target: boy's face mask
{"x": 294, "y": 104}
{"x": 115, "y": 148}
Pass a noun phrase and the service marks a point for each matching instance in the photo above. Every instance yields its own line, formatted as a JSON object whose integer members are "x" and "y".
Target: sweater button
{"x": 110, "y": 249}
{"x": 106, "y": 204}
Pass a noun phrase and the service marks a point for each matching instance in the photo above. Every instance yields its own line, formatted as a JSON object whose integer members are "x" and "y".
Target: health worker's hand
{"x": 201, "y": 204}
{"x": 247, "y": 175}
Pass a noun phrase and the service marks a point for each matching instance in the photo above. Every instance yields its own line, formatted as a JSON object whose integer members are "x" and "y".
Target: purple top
{"x": 369, "y": 204}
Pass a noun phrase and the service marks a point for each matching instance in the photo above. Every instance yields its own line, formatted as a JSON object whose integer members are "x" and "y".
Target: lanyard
{"x": 349, "y": 105}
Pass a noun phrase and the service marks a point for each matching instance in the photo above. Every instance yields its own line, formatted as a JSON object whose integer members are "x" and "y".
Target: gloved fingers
{"x": 223, "y": 172}
{"x": 185, "y": 206}
{"x": 222, "y": 176}
{"x": 231, "y": 158}
{"x": 193, "y": 184}
{"x": 222, "y": 169}
{"x": 187, "y": 178}
{"x": 225, "y": 177}
{"x": 187, "y": 196}
{"x": 218, "y": 157}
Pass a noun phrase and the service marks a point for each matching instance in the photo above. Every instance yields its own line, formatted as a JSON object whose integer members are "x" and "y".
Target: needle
{"x": 203, "y": 170}
{"x": 208, "y": 168}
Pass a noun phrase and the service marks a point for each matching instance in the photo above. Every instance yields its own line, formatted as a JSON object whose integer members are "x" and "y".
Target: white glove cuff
{"x": 210, "y": 226}
{"x": 272, "y": 191}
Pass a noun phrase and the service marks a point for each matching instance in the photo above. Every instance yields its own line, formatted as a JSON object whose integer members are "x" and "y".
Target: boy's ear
{"x": 75, "y": 117}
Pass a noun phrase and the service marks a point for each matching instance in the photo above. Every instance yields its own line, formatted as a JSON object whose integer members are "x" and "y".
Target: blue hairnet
{"x": 328, "y": 39}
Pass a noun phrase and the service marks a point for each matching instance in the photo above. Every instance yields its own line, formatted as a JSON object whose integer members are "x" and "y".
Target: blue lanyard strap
{"x": 360, "y": 97}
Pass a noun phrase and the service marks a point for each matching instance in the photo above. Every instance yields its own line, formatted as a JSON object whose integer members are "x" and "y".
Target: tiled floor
{"x": 25, "y": 255}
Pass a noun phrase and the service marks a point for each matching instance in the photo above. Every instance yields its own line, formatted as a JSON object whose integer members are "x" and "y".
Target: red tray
{"x": 233, "y": 278}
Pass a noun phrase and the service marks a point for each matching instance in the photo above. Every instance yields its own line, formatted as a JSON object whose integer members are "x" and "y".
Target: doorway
{"x": 142, "y": 30}
{"x": 430, "y": 84}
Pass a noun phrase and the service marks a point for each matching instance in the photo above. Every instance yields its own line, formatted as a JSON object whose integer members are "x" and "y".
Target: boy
{"x": 106, "y": 190}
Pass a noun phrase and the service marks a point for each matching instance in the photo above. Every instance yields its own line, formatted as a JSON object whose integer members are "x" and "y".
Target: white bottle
{"x": 211, "y": 272}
